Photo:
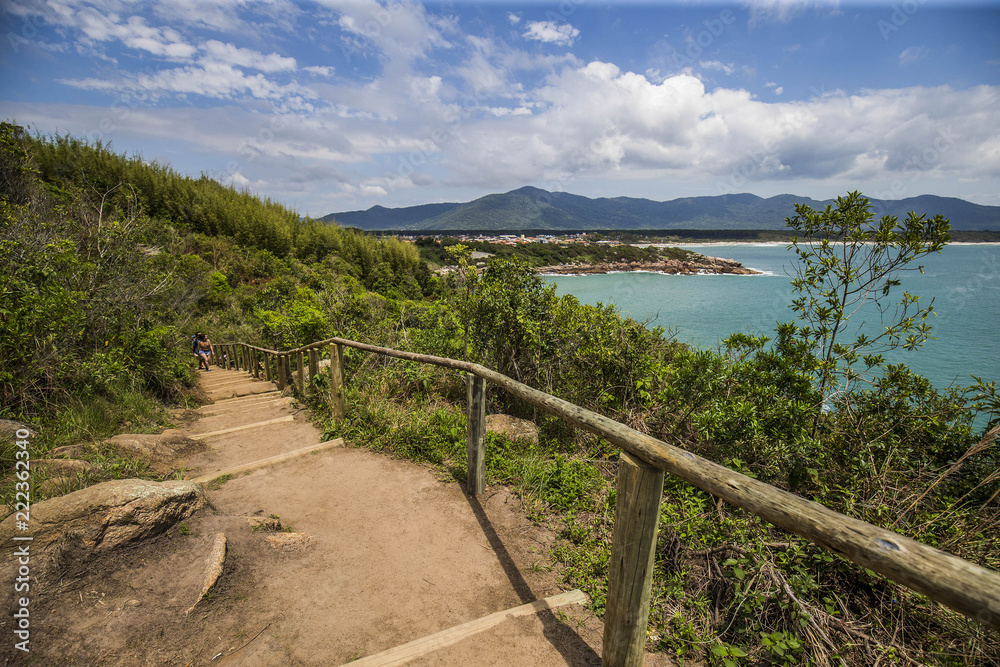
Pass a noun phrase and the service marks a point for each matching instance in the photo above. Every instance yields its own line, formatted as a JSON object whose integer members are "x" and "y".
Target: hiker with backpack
{"x": 202, "y": 348}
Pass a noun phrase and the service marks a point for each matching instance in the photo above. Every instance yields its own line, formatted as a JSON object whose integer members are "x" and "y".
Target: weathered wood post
{"x": 282, "y": 371}
{"x": 302, "y": 373}
{"x": 338, "y": 400}
{"x": 630, "y": 572}
{"x": 476, "y": 395}
{"x": 313, "y": 363}
{"x": 224, "y": 357}
{"x": 267, "y": 366}
{"x": 243, "y": 358}
{"x": 256, "y": 365}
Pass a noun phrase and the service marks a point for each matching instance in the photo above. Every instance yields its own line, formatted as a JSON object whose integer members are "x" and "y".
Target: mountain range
{"x": 536, "y": 209}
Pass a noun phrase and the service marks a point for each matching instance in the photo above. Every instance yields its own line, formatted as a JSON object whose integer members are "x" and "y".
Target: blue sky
{"x": 333, "y": 106}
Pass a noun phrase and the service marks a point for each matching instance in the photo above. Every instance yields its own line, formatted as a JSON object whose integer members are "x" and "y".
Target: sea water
{"x": 963, "y": 281}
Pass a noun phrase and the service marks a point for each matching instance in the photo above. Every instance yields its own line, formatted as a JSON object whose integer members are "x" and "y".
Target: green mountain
{"x": 533, "y": 208}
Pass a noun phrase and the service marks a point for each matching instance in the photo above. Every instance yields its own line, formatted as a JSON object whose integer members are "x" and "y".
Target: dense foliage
{"x": 110, "y": 263}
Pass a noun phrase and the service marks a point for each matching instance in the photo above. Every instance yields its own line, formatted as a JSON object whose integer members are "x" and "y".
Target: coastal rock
{"x": 697, "y": 265}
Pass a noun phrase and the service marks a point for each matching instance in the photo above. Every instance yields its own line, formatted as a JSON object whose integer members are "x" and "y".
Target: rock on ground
{"x": 158, "y": 448}
{"x": 103, "y": 517}
{"x": 512, "y": 427}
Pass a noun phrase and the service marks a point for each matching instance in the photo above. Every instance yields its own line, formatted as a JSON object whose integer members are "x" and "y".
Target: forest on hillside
{"x": 110, "y": 263}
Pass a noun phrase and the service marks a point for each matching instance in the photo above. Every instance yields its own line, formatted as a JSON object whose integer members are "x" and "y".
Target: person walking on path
{"x": 203, "y": 350}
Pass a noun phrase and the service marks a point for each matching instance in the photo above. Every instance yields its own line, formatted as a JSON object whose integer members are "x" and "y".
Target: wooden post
{"x": 313, "y": 363}
{"x": 630, "y": 572}
{"x": 282, "y": 371}
{"x": 476, "y": 395}
{"x": 338, "y": 401}
{"x": 254, "y": 364}
{"x": 302, "y": 374}
{"x": 241, "y": 364}
{"x": 267, "y": 366}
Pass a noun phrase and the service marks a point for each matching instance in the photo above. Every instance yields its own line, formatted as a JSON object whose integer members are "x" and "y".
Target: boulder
{"x": 156, "y": 447}
{"x": 9, "y": 429}
{"x": 512, "y": 427}
{"x": 63, "y": 467}
{"x": 105, "y": 516}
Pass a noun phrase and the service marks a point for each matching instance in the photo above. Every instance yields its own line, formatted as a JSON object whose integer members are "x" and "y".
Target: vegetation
{"x": 112, "y": 263}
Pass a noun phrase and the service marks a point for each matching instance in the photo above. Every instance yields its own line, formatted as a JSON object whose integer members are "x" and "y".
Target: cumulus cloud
{"x": 513, "y": 18}
{"x": 598, "y": 119}
{"x": 550, "y": 32}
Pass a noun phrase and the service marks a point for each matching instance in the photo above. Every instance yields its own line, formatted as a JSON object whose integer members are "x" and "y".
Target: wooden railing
{"x": 963, "y": 586}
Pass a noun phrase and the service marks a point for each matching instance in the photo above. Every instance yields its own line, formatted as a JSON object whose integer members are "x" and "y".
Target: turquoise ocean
{"x": 963, "y": 281}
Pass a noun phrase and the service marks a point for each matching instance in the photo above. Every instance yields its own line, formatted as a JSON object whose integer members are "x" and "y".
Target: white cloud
{"x": 216, "y": 52}
{"x": 598, "y": 120}
{"x": 211, "y": 80}
{"x": 513, "y": 18}
{"x": 778, "y": 90}
{"x": 547, "y": 31}
{"x": 783, "y": 11}
{"x": 913, "y": 54}
{"x": 372, "y": 190}
{"x": 403, "y": 32}
{"x": 319, "y": 70}
{"x": 716, "y": 65}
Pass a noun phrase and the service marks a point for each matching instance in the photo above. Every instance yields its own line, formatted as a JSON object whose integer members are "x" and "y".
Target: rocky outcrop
{"x": 101, "y": 518}
{"x": 699, "y": 264}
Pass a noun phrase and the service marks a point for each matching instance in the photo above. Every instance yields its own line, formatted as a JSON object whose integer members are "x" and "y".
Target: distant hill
{"x": 536, "y": 209}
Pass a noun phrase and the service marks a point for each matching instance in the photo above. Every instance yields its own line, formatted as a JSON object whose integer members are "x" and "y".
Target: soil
{"x": 370, "y": 553}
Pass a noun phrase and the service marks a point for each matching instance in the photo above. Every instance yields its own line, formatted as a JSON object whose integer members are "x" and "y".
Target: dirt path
{"x": 381, "y": 552}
